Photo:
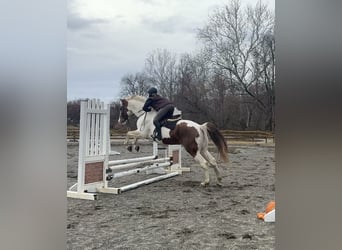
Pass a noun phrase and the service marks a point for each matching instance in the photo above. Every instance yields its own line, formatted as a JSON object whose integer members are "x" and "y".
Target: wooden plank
{"x": 79, "y": 195}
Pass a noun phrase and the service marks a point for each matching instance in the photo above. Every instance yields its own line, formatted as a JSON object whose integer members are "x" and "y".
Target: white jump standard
{"x": 94, "y": 168}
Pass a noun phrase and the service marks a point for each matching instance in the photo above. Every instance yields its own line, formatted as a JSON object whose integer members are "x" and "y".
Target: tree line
{"x": 230, "y": 81}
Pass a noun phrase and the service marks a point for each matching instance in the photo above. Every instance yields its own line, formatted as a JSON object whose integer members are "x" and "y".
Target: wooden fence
{"x": 73, "y": 134}
{"x": 248, "y": 135}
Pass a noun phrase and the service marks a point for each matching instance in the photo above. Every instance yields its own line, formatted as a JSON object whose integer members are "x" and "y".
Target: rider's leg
{"x": 157, "y": 131}
{"x": 163, "y": 113}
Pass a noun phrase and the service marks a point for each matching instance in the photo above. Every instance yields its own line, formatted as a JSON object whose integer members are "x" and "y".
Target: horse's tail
{"x": 218, "y": 139}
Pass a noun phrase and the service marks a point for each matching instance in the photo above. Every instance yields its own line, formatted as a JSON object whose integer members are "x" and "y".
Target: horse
{"x": 191, "y": 135}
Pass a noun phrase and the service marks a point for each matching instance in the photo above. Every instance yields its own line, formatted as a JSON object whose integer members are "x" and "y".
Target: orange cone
{"x": 270, "y": 206}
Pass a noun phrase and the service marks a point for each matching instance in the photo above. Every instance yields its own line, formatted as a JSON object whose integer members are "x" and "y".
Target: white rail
{"x": 136, "y": 164}
{"x": 152, "y": 157}
{"x": 146, "y": 182}
{"x": 140, "y": 170}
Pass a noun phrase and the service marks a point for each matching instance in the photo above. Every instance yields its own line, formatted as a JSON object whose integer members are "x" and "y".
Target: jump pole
{"x": 146, "y": 182}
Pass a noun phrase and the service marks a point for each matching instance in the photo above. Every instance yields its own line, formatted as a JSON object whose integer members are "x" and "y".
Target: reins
{"x": 143, "y": 124}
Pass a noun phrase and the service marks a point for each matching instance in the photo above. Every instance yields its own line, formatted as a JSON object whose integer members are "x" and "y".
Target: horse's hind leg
{"x": 213, "y": 164}
{"x": 204, "y": 164}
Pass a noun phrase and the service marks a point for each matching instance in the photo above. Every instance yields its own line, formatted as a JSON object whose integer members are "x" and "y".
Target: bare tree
{"x": 265, "y": 66}
{"x": 73, "y": 112}
{"x": 134, "y": 84}
{"x": 230, "y": 82}
{"x": 161, "y": 70}
{"x": 237, "y": 39}
{"x": 193, "y": 95}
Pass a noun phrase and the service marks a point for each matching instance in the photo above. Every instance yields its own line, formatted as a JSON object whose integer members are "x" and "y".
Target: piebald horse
{"x": 191, "y": 135}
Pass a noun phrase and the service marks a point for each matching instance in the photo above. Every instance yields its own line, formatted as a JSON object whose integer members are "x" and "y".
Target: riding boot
{"x": 158, "y": 133}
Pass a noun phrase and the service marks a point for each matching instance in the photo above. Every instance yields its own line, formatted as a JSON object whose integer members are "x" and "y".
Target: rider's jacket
{"x": 156, "y": 102}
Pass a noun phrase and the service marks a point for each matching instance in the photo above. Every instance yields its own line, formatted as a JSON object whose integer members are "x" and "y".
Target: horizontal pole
{"x": 146, "y": 182}
{"x": 114, "y": 153}
{"x": 152, "y": 157}
{"x": 139, "y": 170}
{"x": 135, "y": 164}
{"x": 96, "y": 111}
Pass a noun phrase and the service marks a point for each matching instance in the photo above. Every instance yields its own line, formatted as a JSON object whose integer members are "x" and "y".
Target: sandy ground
{"x": 177, "y": 213}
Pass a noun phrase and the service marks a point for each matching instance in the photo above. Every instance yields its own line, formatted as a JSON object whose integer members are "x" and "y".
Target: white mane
{"x": 135, "y": 104}
{"x": 137, "y": 98}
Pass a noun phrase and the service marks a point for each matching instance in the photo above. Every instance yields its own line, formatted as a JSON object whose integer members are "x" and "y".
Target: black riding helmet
{"x": 152, "y": 90}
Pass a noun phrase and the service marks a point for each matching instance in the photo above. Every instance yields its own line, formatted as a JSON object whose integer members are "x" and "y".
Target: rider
{"x": 163, "y": 107}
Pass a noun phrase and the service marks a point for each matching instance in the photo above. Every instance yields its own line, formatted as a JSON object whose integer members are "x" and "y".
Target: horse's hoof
{"x": 219, "y": 182}
{"x": 137, "y": 148}
{"x": 204, "y": 184}
{"x": 129, "y": 148}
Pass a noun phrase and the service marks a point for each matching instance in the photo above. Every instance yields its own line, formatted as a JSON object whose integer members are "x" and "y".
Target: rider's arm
{"x": 147, "y": 105}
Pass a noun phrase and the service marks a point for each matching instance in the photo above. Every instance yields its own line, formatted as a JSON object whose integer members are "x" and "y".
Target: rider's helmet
{"x": 152, "y": 90}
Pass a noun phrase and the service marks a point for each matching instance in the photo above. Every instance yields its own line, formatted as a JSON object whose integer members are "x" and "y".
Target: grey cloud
{"x": 76, "y": 22}
{"x": 171, "y": 24}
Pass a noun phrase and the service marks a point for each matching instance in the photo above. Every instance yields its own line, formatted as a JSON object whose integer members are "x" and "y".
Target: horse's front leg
{"x": 135, "y": 135}
{"x": 129, "y": 148}
{"x": 135, "y": 142}
{"x": 127, "y": 139}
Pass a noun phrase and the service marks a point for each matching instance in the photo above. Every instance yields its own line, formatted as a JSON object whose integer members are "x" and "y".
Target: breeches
{"x": 163, "y": 114}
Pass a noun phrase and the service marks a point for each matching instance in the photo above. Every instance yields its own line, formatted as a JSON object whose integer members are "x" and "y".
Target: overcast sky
{"x": 108, "y": 39}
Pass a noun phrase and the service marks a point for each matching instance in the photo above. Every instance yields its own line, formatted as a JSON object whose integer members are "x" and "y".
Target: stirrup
{"x": 155, "y": 137}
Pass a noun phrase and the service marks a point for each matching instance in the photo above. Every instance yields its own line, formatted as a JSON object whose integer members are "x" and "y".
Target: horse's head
{"x": 130, "y": 105}
{"x": 124, "y": 112}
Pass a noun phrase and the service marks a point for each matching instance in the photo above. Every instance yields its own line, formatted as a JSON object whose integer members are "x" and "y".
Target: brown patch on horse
{"x": 185, "y": 135}
{"x": 171, "y": 141}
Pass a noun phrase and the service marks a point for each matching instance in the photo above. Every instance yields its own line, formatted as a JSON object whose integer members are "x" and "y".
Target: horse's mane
{"x": 137, "y": 98}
